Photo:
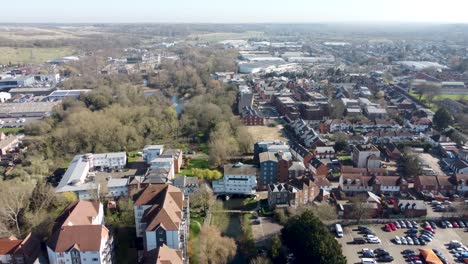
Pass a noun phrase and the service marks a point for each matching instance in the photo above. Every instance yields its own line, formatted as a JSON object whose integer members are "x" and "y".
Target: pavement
{"x": 264, "y": 231}
{"x": 442, "y": 237}
{"x": 432, "y": 162}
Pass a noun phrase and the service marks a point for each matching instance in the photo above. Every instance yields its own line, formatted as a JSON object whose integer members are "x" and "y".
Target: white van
{"x": 339, "y": 230}
{"x": 368, "y": 261}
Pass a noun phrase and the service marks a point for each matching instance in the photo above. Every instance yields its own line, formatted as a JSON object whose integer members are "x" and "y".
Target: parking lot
{"x": 265, "y": 230}
{"x": 441, "y": 238}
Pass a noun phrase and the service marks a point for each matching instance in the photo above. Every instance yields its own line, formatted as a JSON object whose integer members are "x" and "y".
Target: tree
{"x": 260, "y": 260}
{"x": 310, "y": 241}
{"x": 410, "y": 163}
{"x": 214, "y": 248}
{"x": 14, "y": 201}
{"x": 336, "y": 109}
{"x": 341, "y": 142}
{"x": 276, "y": 246}
{"x": 202, "y": 198}
{"x": 42, "y": 197}
{"x": 428, "y": 90}
{"x": 325, "y": 212}
{"x": 359, "y": 207}
{"x": 442, "y": 119}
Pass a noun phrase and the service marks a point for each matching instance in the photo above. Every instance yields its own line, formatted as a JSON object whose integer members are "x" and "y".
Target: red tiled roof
{"x": 84, "y": 238}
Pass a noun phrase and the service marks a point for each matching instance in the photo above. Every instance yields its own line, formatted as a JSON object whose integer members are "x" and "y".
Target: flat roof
{"x": 240, "y": 169}
{"x": 29, "y": 107}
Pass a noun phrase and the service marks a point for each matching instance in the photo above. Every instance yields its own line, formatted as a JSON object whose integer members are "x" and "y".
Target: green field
{"x": 31, "y": 55}
{"x": 195, "y": 164}
{"x": 15, "y": 130}
{"x": 220, "y": 36}
{"x": 440, "y": 97}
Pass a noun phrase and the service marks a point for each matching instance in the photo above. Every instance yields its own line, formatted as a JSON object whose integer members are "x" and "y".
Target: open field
{"x": 31, "y": 55}
{"x": 441, "y": 97}
{"x": 220, "y": 36}
{"x": 264, "y": 132}
{"x": 28, "y": 33}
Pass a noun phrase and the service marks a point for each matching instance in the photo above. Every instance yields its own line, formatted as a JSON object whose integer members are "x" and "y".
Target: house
{"x": 78, "y": 177}
{"x": 268, "y": 145}
{"x": 446, "y": 187}
{"x": 390, "y": 185}
{"x": 354, "y": 183}
{"x": 164, "y": 162}
{"x": 392, "y": 152}
{"x": 117, "y": 187}
{"x": 300, "y": 153}
{"x": 162, "y": 217}
{"x": 150, "y": 152}
{"x": 426, "y": 184}
{"x": 238, "y": 179}
{"x": 317, "y": 168}
{"x": 296, "y": 169}
{"x": 366, "y": 156}
{"x": 163, "y": 255}
{"x": 307, "y": 190}
{"x": 412, "y": 208}
{"x": 14, "y": 250}
{"x": 282, "y": 195}
{"x": 274, "y": 167}
{"x": 245, "y": 100}
{"x": 459, "y": 166}
{"x": 323, "y": 184}
{"x": 325, "y": 152}
{"x": 79, "y": 235}
{"x": 176, "y": 154}
{"x": 186, "y": 184}
{"x": 461, "y": 183}
{"x": 251, "y": 117}
{"x": 375, "y": 112}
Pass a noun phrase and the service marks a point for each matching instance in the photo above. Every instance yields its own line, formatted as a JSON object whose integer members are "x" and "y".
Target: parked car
{"x": 410, "y": 241}
{"x": 461, "y": 224}
{"x": 386, "y": 258}
{"x": 373, "y": 240}
{"x": 403, "y": 224}
{"x": 455, "y": 224}
{"x": 388, "y": 228}
{"x": 442, "y": 224}
{"x": 359, "y": 240}
{"x": 449, "y": 225}
{"x": 397, "y": 240}
{"x": 379, "y": 250}
{"x": 397, "y": 224}
{"x": 404, "y": 241}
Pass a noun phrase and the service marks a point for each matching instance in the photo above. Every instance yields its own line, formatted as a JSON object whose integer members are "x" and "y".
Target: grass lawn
{"x": 220, "y": 36}
{"x": 32, "y": 55}
{"x": 262, "y": 132}
{"x": 266, "y": 211}
{"x": 133, "y": 157}
{"x": 195, "y": 164}
{"x": 12, "y": 130}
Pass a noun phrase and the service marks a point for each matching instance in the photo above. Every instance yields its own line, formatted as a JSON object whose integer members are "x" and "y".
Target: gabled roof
{"x": 8, "y": 245}
{"x": 301, "y": 181}
{"x": 427, "y": 180}
{"x": 83, "y": 238}
{"x": 78, "y": 213}
{"x": 166, "y": 206}
{"x": 164, "y": 255}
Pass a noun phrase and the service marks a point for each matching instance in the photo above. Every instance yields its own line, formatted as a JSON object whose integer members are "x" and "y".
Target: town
{"x": 252, "y": 147}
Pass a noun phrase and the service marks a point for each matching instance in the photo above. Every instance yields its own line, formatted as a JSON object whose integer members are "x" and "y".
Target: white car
{"x": 370, "y": 236}
{"x": 410, "y": 241}
{"x": 397, "y": 240}
{"x": 373, "y": 240}
{"x": 403, "y": 241}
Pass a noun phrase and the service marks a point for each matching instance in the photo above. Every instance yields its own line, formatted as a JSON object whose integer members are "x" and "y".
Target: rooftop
{"x": 240, "y": 169}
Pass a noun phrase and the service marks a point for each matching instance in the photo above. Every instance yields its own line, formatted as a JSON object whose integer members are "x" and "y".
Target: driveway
{"x": 264, "y": 231}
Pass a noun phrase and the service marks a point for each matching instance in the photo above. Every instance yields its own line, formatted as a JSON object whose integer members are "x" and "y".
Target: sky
{"x": 233, "y": 11}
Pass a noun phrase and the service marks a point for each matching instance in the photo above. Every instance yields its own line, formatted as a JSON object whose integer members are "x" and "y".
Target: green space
{"x": 12, "y": 130}
{"x": 194, "y": 164}
{"x": 266, "y": 211}
{"x": 31, "y": 55}
{"x": 439, "y": 97}
{"x": 133, "y": 157}
{"x": 220, "y": 36}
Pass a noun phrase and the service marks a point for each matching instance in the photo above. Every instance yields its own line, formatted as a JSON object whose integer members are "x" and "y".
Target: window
{"x": 95, "y": 259}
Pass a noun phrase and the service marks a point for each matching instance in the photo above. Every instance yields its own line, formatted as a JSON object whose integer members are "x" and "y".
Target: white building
{"x": 161, "y": 217}
{"x": 79, "y": 235}
{"x": 78, "y": 177}
{"x": 150, "y": 152}
{"x": 4, "y": 96}
{"x": 238, "y": 179}
{"x": 117, "y": 187}
{"x": 366, "y": 156}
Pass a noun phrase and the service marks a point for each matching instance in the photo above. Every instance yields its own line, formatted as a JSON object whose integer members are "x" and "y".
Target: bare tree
{"x": 325, "y": 212}
{"x": 214, "y": 248}
{"x": 359, "y": 208}
{"x": 202, "y": 198}
{"x": 14, "y": 201}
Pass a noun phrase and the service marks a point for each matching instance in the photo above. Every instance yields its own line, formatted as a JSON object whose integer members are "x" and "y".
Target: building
{"x": 78, "y": 178}
{"x": 176, "y": 154}
{"x": 251, "y": 117}
{"x": 27, "y": 109}
{"x": 317, "y": 168}
{"x": 187, "y": 184}
{"x": 4, "y": 97}
{"x": 374, "y": 112}
{"x": 426, "y": 184}
{"x": 354, "y": 183}
{"x": 162, "y": 217}
{"x": 366, "y": 156}
{"x": 14, "y": 250}
{"x": 392, "y": 152}
{"x": 79, "y": 235}
{"x": 238, "y": 179}
{"x": 325, "y": 152}
{"x": 13, "y": 82}
{"x": 300, "y": 153}
{"x": 117, "y": 187}
{"x": 164, "y": 162}
{"x": 412, "y": 208}
{"x": 163, "y": 255}
{"x": 268, "y": 145}
{"x": 150, "y": 152}
{"x": 65, "y": 94}
{"x": 274, "y": 167}
{"x": 245, "y": 100}
{"x": 461, "y": 183}
{"x": 281, "y": 195}
{"x": 307, "y": 191}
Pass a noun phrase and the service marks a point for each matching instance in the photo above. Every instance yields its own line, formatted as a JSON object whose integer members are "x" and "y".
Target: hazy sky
{"x": 234, "y": 11}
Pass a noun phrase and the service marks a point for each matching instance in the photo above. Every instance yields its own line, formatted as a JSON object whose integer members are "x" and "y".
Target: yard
{"x": 32, "y": 55}
{"x": 195, "y": 164}
{"x": 265, "y": 132}
{"x": 12, "y": 130}
{"x": 133, "y": 157}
